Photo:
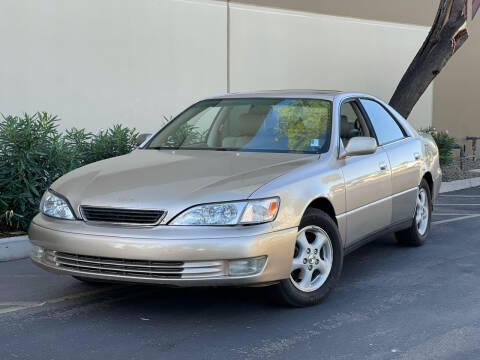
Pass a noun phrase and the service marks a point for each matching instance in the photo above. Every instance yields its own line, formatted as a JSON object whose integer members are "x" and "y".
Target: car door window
{"x": 352, "y": 122}
{"x": 384, "y": 124}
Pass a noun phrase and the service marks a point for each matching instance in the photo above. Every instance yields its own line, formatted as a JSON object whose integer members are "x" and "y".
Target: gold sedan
{"x": 267, "y": 188}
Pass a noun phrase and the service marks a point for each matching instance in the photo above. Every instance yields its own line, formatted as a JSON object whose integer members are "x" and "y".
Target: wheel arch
{"x": 323, "y": 204}
{"x": 429, "y": 179}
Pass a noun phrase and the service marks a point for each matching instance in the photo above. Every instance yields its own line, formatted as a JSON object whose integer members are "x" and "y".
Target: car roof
{"x": 289, "y": 93}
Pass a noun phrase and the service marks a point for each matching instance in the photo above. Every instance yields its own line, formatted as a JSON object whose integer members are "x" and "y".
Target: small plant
{"x": 444, "y": 143}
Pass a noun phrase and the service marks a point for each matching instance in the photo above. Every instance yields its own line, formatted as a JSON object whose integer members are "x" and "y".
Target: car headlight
{"x": 230, "y": 213}
{"x": 56, "y": 206}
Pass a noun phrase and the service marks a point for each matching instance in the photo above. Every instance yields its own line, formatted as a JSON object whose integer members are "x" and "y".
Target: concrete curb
{"x": 459, "y": 184}
{"x": 14, "y": 248}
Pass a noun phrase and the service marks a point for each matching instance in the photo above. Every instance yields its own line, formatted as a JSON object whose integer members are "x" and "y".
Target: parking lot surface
{"x": 393, "y": 302}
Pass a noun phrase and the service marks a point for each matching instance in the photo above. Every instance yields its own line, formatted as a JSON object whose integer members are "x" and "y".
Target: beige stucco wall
{"x": 96, "y": 63}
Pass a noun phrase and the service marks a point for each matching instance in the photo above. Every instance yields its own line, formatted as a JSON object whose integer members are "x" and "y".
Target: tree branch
{"x": 448, "y": 33}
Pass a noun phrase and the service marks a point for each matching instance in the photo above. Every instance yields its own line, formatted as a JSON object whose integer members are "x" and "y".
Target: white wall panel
{"x": 100, "y": 62}
{"x": 274, "y": 49}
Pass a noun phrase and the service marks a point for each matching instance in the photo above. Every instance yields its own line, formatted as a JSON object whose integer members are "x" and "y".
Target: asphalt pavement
{"x": 392, "y": 302}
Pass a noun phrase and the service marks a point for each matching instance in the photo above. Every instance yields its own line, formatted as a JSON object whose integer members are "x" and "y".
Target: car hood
{"x": 174, "y": 180}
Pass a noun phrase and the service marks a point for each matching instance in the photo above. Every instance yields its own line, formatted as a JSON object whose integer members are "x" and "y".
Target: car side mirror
{"x": 359, "y": 145}
{"x": 142, "y": 138}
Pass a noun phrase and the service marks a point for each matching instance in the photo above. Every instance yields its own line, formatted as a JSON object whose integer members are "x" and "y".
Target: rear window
{"x": 385, "y": 126}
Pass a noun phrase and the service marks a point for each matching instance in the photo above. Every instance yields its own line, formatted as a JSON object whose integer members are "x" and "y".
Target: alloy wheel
{"x": 312, "y": 260}
{"x": 422, "y": 212}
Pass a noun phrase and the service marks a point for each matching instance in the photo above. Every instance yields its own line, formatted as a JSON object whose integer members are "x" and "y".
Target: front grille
{"x": 144, "y": 269}
{"x": 122, "y": 216}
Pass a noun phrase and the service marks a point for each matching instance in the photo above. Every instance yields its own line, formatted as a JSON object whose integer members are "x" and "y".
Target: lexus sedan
{"x": 254, "y": 189}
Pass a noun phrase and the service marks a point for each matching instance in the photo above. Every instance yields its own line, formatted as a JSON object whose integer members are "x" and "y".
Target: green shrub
{"x": 112, "y": 142}
{"x": 445, "y": 144}
{"x": 33, "y": 154}
{"x": 79, "y": 141}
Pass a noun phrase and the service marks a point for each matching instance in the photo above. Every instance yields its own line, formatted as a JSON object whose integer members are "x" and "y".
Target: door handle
{"x": 416, "y": 156}
{"x": 382, "y": 165}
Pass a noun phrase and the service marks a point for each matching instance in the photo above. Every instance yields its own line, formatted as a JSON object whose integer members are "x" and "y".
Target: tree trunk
{"x": 447, "y": 35}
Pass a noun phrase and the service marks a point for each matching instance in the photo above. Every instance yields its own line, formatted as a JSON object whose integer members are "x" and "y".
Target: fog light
{"x": 245, "y": 267}
{"x": 37, "y": 252}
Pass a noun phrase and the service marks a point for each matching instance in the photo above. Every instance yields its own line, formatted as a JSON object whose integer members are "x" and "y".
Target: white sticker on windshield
{"x": 314, "y": 142}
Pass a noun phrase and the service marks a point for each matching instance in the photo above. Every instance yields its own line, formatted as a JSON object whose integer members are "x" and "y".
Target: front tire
{"x": 317, "y": 261}
{"x": 417, "y": 233}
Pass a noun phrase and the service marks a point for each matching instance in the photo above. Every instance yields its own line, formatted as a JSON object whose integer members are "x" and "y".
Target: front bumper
{"x": 169, "y": 255}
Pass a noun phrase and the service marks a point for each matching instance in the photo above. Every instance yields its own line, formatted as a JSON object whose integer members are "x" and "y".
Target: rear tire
{"x": 417, "y": 233}
{"x": 317, "y": 261}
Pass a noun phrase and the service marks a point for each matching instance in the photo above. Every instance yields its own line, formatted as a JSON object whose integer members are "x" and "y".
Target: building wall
{"x": 419, "y": 12}
{"x": 456, "y": 91}
{"x": 100, "y": 62}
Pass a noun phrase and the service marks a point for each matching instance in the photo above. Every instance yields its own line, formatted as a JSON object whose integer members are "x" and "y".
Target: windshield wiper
{"x": 190, "y": 148}
{"x": 225, "y": 149}
{"x": 164, "y": 147}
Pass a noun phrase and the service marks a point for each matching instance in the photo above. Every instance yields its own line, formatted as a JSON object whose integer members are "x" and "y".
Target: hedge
{"x": 33, "y": 154}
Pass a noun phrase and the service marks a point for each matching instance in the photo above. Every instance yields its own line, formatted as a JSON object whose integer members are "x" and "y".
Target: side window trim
{"x": 356, "y": 100}
{"x": 366, "y": 118}
{"x": 364, "y": 112}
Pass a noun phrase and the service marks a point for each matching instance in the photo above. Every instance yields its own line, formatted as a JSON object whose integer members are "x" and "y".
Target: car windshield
{"x": 265, "y": 125}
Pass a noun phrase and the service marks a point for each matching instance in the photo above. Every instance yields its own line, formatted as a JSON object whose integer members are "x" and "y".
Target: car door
{"x": 367, "y": 180}
{"x": 404, "y": 156}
